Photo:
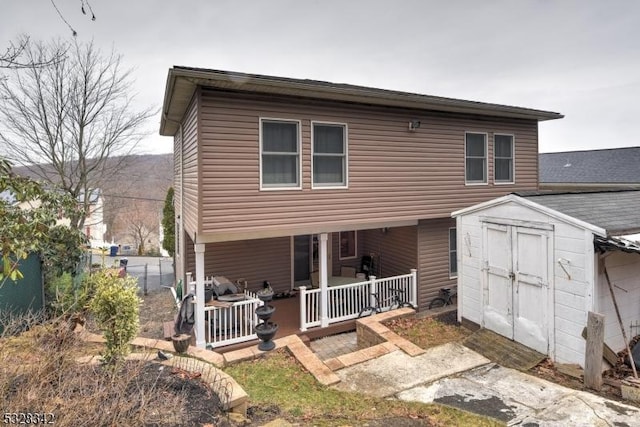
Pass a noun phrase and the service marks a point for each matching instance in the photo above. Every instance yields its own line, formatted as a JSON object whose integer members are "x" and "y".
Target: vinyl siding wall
{"x": 433, "y": 258}
{"x": 190, "y": 168}
{"x": 393, "y": 174}
{"x": 253, "y": 260}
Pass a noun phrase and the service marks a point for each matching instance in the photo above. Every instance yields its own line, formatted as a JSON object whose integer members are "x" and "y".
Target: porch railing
{"x": 346, "y": 301}
{"x": 233, "y": 324}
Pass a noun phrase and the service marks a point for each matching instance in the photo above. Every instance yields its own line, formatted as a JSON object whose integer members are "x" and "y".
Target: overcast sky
{"x": 579, "y": 58}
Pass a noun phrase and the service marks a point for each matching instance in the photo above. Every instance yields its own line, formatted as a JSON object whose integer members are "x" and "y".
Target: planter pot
{"x": 181, "y": 342}
{"x": 265, "y": 297}
{"x": 265, "y": 312}
{"x": 266, "y": 331}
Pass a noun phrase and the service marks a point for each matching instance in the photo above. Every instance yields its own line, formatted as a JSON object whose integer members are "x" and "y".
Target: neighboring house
{"x": 590, "y": 169}
{"x": 277, "y": 177}
{"x": 532, "y": 267}
{"x": 94, "y": 226}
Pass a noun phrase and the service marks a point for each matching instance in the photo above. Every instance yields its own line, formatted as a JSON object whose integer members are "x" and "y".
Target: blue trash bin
{"x": 114, "y": 251}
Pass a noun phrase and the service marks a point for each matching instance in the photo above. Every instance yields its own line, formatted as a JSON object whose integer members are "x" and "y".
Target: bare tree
{"x": 70, "y": 122}
{"x": 143, "y": 222}
{"x": 13, "y": 56}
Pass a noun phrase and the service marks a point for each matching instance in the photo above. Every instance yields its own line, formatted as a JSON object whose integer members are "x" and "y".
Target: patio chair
{"x": 366, "y": 265}
{"x": 346, "y": 271}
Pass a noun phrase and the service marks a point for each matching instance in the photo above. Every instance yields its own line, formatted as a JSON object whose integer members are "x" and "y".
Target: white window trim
{"x": 513, "y": 159}
{"x": 355, "y": 238}
{"x": 315, "y": 186}
{"x": 275, "y": 187}
{"x": 486, "y": 163}
{"x": 452, "y": 275}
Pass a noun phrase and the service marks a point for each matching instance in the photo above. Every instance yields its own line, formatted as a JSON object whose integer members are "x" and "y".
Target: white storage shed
{"x": 531, "y": 267}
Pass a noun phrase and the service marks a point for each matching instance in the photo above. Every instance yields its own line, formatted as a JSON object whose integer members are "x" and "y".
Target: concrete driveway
{"x": 454, "y": 375}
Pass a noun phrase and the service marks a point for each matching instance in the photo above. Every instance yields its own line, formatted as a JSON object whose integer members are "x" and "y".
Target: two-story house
{"x": 276, "y": 178}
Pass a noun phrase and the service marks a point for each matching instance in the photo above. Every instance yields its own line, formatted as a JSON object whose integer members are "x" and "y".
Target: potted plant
{"x": 266, "y": 293}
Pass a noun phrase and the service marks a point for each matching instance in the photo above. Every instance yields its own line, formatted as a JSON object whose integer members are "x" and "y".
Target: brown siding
{"x": 190, "y": 168}
{"x": 394, "y": 174}
{"x": 254, "y": 260}
{"x": 433, "y": 256}
{"x": 395, "y": 250}
{"x": 177, "y": 164}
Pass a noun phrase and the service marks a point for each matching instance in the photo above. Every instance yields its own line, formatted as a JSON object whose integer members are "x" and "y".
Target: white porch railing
{"x": 346, "y": 301}
{"x": 229, "y": 325}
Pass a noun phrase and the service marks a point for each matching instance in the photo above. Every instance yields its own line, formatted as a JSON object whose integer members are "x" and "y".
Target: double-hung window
{"x": 453, "y": 254}
{"x": 475, "y": 158}
{"x": 329, "y": 147}
{"x": 279, "y": 154}
{"x": 503, "y": 158}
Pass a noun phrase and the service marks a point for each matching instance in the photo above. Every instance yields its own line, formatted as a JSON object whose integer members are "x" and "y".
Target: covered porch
{"x": 332, "y": 289}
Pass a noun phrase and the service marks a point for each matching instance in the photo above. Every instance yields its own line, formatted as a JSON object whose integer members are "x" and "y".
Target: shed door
{"x": 515, "y": 294}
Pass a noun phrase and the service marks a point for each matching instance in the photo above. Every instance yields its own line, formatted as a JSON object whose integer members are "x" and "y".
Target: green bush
{"x": 115, "y": 306}
{"x": 67, "y": 295}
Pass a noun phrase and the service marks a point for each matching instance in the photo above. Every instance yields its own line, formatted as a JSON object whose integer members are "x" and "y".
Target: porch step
{"x": 502, "y": 350}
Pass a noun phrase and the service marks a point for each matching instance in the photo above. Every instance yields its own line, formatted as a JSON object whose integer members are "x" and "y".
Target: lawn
{"x": 278, "y": 386}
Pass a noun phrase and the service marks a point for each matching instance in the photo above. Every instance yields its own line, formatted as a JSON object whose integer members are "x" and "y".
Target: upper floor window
{"x": 475, "y": 158}
{"x": 503, "y": 158}
{"x": 279, "y": 154}
{"x": 453, "y": 254}
{"x": 329, "y": 155}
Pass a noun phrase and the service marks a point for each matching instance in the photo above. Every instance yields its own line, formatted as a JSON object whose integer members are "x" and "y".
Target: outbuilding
{"x": 532, "y": 266}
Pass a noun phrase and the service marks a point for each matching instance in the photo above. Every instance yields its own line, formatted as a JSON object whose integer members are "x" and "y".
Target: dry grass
{"x": 39, "y": 373}
{"x": 427, "y": 332}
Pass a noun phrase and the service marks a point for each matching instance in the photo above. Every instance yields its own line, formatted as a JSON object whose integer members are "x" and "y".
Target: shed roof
{"x": 617, "y": 212}
{"x": 183, "y": 81}
{"x": 609, "y": 166}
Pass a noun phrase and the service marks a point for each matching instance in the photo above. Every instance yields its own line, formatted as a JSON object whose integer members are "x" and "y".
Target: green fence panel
{"x": 27, "y": 293}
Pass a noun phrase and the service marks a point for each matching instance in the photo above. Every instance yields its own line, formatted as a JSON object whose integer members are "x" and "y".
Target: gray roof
{"x": 618, "y": 212}
{"x": 182, "y": 83}
{"x": 610, "y": 166}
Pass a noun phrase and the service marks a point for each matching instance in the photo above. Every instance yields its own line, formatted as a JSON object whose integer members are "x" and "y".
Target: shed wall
{"x": 572, "y": 290}
{"x": 624, "y": 273}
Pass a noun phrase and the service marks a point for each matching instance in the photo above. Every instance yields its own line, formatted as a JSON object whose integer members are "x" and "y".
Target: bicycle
{"x": 448, "y": 297}
{"x": 396, "y": 302}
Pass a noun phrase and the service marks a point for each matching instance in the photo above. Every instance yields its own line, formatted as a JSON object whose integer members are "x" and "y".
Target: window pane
{"x": 452, "y": 239}
{"x": 279, "y": 169}
{"x": 504, "y": 170}
{"x": 328, "y": 139}
{"x": 476, "y": 169}
{"x": 453, "y": 262}
{"x": 347, "y": 244}
{"x": 279, "y": 137}
{"x": 475, "y": 145}
{"x": 504, "y": 145}
{"x": 328, "y": 170}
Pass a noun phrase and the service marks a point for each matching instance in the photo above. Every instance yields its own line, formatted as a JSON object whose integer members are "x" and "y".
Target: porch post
{"x": 303, "y": 308}
{"x": 324, "y": 311}
{"x": 200, "y": 336}
{"x": 414, "y": 287}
